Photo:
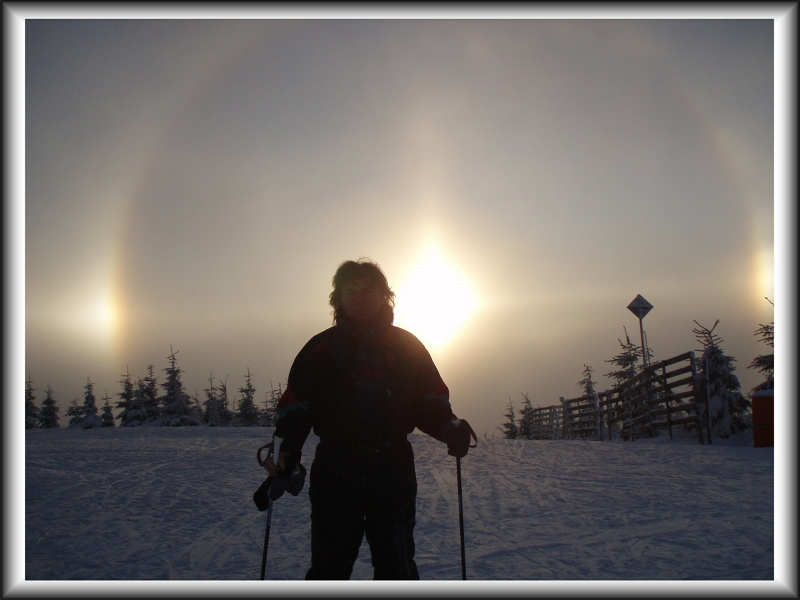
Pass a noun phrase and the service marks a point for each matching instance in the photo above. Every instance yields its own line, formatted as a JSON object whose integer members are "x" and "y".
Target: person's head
{"x": 360, "y": 292}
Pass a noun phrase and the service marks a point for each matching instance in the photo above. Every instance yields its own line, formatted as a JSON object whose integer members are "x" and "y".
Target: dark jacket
{"x": 362, "y": 385}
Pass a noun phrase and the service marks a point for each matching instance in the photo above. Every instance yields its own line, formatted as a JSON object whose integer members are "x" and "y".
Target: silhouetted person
{"x": 363, "y": 385}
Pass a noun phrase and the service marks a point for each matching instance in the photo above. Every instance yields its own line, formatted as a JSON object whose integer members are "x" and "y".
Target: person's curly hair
{"x": 355, "y": 270}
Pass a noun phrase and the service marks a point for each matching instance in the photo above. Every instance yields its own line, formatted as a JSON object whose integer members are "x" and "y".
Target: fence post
{"x": 667, "y": 392}
{"x": 698, "y": 395}
{"x": 652, "y": 399}
{"x": 565, "y": 433}
{"x": 708, "y": 399}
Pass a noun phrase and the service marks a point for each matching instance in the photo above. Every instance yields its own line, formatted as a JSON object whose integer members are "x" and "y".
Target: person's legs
{"x": 337, "y": 525}
{"x": 390, "y": 517}
{"x": 390, "y": 533}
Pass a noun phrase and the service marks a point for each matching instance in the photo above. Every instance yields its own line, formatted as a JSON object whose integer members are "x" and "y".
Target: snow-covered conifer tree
{"x": 525, "y": 427}
{"x": 90, "y": 417}
{"x": 264, "y": 419}
{"x": 75, "y": 414}
{"x": 211, "y": 414}
{"x": 248, "y": 413}
{"x": 176, "y": 403}
{"x": 625, "y": 362}
{"x": 149, "y": 397}
{"x": 225, "y": 413}
{"x": 765, "y": 363}
{"x": 49, "y": 413}
{"x": 135, "y": 414}
{"x": 728, "y": 407}
{"x": 587, "y": 384}
{"x": 271, "y": 399}
{"x": 196, "y": 408}
{"x": 32, "y": 416}
{"x": 126, "y": 401}
{"x": 108, "y": 416}
{"x": 509, "y": 428}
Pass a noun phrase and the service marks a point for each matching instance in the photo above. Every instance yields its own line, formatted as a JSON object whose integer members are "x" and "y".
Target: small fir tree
{"x": 586, "y": 382}
{"x": 525, "y": 427}
{"x": 510, "y": 430}
{"x": 248, "y": 413}
{"x": 195, "y": 408}
{"x": 149, "y": 397}
{"x": 587, "y": 385}
{"x": 32, "y": 416}
{"x": 263, "y": 413}
{"x": 108, "y": 416}
{"x": 728, "y": 407}
{"x": 75, "y": 414}
{"x": 90, "y": 417}
{"x": 625, "y": 362}
{"x": 225, "y": 413}
{"x": 177, "y": 406}
{"x": 126, "y": 401}
{"x": 136, "y": 412}
{"x": 211, "y": 414}
{"x": 49, "y": 412}
{"x": 271, "y": 404}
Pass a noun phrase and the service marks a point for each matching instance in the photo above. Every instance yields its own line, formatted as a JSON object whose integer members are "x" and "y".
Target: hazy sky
{"x": 196, "y": 184}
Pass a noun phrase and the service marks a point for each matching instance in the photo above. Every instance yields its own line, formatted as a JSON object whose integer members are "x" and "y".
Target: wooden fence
{"x": 666, "y": 395}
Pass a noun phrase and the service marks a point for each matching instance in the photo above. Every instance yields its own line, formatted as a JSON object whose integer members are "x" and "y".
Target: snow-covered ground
{"x": 176, "y": 504}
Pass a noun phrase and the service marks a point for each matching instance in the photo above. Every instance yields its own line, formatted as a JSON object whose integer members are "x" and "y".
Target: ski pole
{"x": 461, "y": 518}
{"x": 266, "y": 540}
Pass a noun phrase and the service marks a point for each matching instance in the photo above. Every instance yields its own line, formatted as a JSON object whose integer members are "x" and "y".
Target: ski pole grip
{"x": 263, "y": 461}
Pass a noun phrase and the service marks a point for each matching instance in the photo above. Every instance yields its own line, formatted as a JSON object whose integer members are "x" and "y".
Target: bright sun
{"x": 434, "y": 302}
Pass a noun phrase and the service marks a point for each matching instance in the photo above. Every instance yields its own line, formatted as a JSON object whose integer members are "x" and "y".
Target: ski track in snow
{"x": 155, "y": 503}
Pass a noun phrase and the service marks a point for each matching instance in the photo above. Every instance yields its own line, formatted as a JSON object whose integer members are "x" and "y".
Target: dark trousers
{"x": 355, "y": 491}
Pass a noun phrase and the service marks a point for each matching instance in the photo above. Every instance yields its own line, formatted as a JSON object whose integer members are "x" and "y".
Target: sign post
{"x": 640, "y": 307}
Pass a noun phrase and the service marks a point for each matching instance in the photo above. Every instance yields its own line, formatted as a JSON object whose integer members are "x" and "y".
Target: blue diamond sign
{"x": 639, "y": 306}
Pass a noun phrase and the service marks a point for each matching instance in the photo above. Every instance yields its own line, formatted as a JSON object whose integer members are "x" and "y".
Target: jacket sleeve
{"x": 293, "y": 413}
{"x": 432, "y": 398}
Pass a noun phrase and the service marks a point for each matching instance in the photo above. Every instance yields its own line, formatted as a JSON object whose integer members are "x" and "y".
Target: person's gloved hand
{"x": 287, "y": 475}
{"x": 287, "y": 461}
{"x": 458, "y": 437}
